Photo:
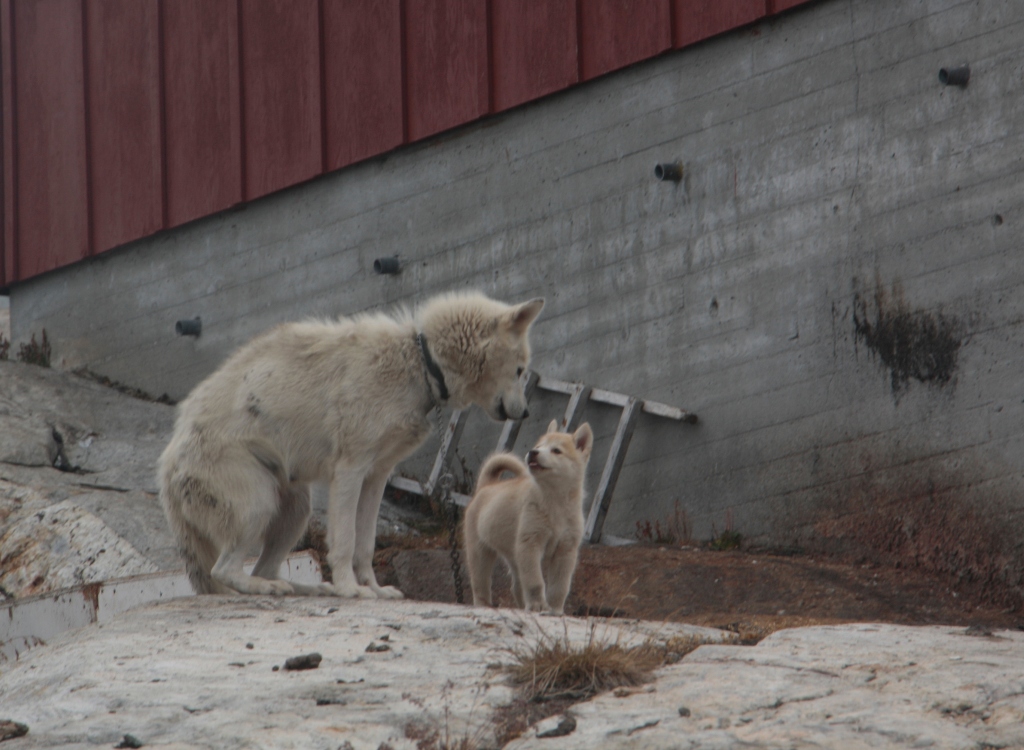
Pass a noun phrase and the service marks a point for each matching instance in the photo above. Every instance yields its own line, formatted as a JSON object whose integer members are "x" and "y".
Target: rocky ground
{"x": 78, "y": 504}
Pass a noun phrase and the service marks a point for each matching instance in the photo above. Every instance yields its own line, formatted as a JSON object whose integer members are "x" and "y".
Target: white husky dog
{"x": 534, "y": 521}
{"x": 335, "y": 402}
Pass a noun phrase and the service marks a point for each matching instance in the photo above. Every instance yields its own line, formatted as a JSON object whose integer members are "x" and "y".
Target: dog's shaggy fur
{"x": 334, "y": 402}
{"x": 534, "y": 521}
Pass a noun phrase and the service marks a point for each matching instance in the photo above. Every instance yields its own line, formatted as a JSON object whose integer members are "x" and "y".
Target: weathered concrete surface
{"x": 181, "y": 674}
{"x": 848, "y": 687}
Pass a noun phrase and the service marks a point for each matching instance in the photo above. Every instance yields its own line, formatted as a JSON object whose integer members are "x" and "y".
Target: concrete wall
{"x": 835, "y": 286}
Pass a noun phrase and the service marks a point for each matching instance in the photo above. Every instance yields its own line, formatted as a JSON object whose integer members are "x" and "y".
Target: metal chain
{"x": 445, "y": 483}
{"x": 451, "y": 516}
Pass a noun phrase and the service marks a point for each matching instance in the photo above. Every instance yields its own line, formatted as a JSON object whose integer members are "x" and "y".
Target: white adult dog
{"x": 336, "y": 402}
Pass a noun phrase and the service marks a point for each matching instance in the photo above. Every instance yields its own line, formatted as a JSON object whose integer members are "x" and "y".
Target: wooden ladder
{"x": 579, "y": 394}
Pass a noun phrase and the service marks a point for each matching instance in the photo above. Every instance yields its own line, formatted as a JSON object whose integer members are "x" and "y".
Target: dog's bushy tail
{"x": 497, "y": 464}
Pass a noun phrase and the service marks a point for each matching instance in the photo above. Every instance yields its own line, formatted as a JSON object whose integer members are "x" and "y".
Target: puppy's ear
{"x": 584, "y": 438}
{"x": 521, "y": 316}
{"x": 553, "y": 427}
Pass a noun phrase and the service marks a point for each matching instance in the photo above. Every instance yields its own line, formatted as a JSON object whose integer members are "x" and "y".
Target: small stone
{"x": 130, "y": 741}
{"x": 306, "y": 661}
{"x": 684, "y": 711}
{"x": 374, "y": 648}
{"x": 249, "y": 645}
{"x": 566, "y": 725}
{"x": 11, "y": 729}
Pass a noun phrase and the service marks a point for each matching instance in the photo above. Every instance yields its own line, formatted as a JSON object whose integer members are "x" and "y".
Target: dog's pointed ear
{"x": 553, "y": 427}
{"x": 521, "y": 316}
{"x": 584, "y": 438}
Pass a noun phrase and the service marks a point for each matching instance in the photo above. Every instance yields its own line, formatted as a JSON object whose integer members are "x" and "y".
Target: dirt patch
{"x": 749, "y": 593}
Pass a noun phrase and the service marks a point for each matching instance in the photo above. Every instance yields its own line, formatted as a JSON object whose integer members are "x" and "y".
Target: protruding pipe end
{"x": 671, "y": 172}
{"x": 189, "y": 327}
{"x": 387, "y": 266}
{"x": 958, "y": 76}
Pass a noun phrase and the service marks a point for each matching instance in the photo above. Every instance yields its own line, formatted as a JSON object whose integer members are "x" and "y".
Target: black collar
{"x": 433, "y": 371}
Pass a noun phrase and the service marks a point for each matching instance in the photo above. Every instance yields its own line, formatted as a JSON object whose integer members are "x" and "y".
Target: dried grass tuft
{"x": 555, "y": 668}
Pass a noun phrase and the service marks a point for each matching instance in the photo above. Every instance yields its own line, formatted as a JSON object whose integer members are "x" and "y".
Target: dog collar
{"x": 433, "y": 371}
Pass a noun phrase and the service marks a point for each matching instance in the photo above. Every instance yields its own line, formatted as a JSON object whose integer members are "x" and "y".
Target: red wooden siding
{"x": 6, "y": 149}
{"x": 446, "y": 64}
{"x": 49, "y": 124}
{"x": 124, "y": 121}
{"x": 201, "y": 104}
{"x": 617, "y": 33}
{"x": 534, "y": 46}
{"x": 280, "y": 93}
{"x": 695, "y": 20}
{"x": 362, "y": 79}
{"x": 121, "y": 117}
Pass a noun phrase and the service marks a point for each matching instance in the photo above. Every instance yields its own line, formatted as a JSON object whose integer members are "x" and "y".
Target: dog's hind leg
{"x": 480, "y": 560}
{"x": 341, "y": 531}
{"x": 244, "y": 501}
{"x": 370, "y": 497}
{"x": 517, "y": 586}
{"x": 281, "y": 535}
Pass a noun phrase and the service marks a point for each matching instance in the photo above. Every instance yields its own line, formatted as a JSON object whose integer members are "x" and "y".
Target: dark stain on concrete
{"x": 911, "y": 344}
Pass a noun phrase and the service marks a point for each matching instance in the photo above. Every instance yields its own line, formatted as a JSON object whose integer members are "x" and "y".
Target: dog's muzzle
{"x": 504, "y": 415}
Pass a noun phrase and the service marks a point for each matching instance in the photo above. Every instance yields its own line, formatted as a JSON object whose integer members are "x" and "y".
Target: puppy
{"x": 534, "y": 521}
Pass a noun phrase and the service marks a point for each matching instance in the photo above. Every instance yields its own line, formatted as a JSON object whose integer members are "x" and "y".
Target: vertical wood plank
{"x": 612, "y": 467}
{"x": 574, "y": 409}
{"x": 617, "y": 33}
{"x": 696, "y": 20}
{"x": 446, "y": 64}
{"x": 281, "y": 99}
{"x": 126, "y": 176}
{"x": 50, "y": 188}
{"x": 449, "y": 442}
{"x": 362, "y": 79}
{"x": 534, "y": 49}
{"x": 203, "y": 130}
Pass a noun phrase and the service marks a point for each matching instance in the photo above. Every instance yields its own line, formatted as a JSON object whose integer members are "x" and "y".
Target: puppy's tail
{"x": 498, "y": 463}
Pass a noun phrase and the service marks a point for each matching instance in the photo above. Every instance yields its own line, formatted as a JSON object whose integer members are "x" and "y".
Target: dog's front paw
{"x": 388, "y": 592}
{"x": 318, "y": 589}
{"x": 272, "y": 587}
{"x": 353, "y": 591}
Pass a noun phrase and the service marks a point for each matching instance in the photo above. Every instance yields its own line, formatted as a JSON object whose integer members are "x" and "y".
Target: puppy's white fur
{"x": 534, "y": 521}
{"x": 337, "y": 402}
